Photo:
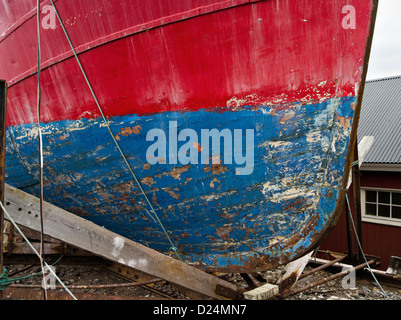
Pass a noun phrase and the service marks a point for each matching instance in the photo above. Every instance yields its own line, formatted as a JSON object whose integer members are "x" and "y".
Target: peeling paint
{"x": 290, "y": 114}
{"x": 148, "y": 181}
{"x": 299, "y": 99}
{"x": 128, "y": 131}
{"x": 172, "y": 193}
{"x": 200, "y": 201}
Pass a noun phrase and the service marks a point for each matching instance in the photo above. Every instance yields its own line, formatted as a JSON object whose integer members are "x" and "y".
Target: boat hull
{"x": 237, "y": 120}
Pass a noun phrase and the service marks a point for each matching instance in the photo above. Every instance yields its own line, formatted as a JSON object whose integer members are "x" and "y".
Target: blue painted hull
{"x": 214, "y": 216}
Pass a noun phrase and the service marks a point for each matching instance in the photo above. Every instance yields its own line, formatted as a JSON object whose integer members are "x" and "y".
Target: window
{"x": 381, "y": 206}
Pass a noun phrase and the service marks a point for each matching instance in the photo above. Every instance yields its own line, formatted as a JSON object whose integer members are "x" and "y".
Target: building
{"x": 380, "y": 174}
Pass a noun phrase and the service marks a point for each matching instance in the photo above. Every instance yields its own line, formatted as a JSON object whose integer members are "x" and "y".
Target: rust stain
{"x": 216, "y": 168}
{"x": 211, "y": 184}
{"x": 223, "y": 232}
{"x": 138, "y": 207}
{"x": 79, "y": 211}
{"x": 64, "y": 136}
{"x": 148, "y": 181}
{"x": 287, "y": 116}
{"x": 344, "y": 122}
{"x": 197, "y": 146}
{"x": 146, "y": 166}
{"x": 176, "y": 172}
{"x": 128, "y": 131}
{"x": 289, "y": 282}
{"x": 154, "y": 199}
{"x": 172, "y": 193}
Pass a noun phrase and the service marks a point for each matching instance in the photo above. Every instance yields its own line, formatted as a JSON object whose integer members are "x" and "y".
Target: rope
{"x": 34, "y": 250}
{"x": 360, "y": 247}
{"x": 5, "y": 281}
{"x": 355, "y": 163}
{"x": 40, "y": 147}
{"x": 155, "y": 216}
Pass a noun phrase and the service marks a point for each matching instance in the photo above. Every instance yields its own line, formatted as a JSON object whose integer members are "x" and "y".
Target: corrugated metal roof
{"x": 381, "y": 117}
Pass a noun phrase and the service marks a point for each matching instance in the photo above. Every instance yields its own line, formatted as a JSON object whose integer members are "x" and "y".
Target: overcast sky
{"x": 385, "y": 57}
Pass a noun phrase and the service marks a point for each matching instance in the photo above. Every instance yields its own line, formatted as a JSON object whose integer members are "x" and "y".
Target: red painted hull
{"x": 173, "y": 67}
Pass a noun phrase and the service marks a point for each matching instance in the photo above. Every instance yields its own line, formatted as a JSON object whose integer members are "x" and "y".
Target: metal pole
{"x": 357, "y": 200}
{"x": 3, "y": 105}
{"x": 326, "y": 265}
{"x": 101, "y": 286}
{"x": 335, "y": 276}
{"x": 350, "y": 239}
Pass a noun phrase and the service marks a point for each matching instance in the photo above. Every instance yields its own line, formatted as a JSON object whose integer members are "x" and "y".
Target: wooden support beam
{"x": 360, "y": 153}
{"x": 319, "y": 282}
{"x": 324, "y": 266}
{"x": 363, "y": 148}
{"x": 3, "y": 107}
{"x": 357, "y": 202}
{"x": 293, "y": 270}
{"x": 136, "y": 275}
{"x": 350, "y": 237}
{"x": 76, "y": 231}
{"x": 263, "y": 292}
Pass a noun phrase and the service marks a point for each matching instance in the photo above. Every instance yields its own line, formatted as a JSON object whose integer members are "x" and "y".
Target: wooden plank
{"x": 3, "y": 107}
{"x": 136, "y": 275}
{"x": 324, "y": 280}
{"x": 360, "y": 153}
{"x": 356, "y": 188}
{"x": 350, "y": 237}
{"x": 76, "y": 231}
{"x": 50, "y": 248}
{"x": 395, "y": 266}
{"x": 363, "y": 148}
{"x": 263, "y": 292}
{"x": 292, "y": 272}
{"x": 15, "y": 236}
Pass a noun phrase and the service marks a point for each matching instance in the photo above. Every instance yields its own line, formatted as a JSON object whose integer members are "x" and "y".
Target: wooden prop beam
{"x": 3, "y": 107}
{"x": 76, "y": 231}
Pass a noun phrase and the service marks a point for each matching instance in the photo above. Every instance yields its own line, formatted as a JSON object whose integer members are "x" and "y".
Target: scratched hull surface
{"x": 289, "y": 73}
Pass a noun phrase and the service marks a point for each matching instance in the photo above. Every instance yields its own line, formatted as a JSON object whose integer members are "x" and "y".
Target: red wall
{"x": 377, "y": 239}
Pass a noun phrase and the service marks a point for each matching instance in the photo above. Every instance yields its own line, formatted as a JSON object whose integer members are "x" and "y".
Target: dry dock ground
{"x": 94, "y": 282}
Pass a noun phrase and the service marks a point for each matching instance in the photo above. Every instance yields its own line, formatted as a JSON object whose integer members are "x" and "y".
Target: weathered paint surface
{"x": 208, "y": 209}
{"x": 288, "y": 71}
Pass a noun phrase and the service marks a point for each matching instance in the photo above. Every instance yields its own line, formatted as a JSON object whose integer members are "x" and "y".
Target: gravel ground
{"x": 365, "y": 287}
{"x": 88, "y": 275}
